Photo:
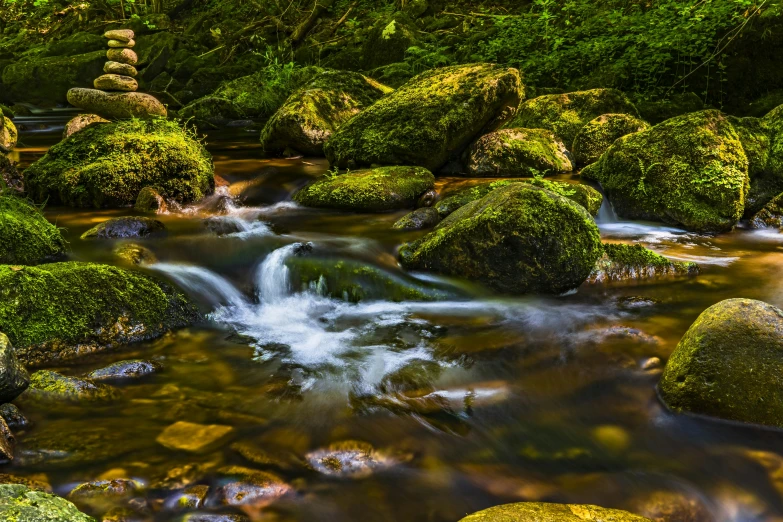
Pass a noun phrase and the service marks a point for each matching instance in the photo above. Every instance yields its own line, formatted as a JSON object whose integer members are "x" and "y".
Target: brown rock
{"x": 7, "y": 441}
{"x": 249, "y": 487}
{"x": 116, "y": 82}
{"x": 119, "y": 44}
{"x": 122, "y": 56}
{"x": 116, "y": 105}
{"x": 670, "y": 506}
{"x": 123, "y": 35}
{"x": 120, "y": 68}
{"x": 196, "y": 438}
{"x": 80, "y": 123}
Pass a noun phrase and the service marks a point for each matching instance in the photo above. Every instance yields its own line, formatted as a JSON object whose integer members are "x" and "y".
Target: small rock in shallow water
{"x": 248, "y": 487}
{"x": 189, "y": 436}
{"x": 52, "y": 386}
{"x": 671, "y": 506}
{"x": 420, "y": 219}
{"x": 14, "y": 378}
{"x": 124, "y": 228}
{"x": 651, "y": 363}
{"x": 105, "y": 488}
{"x": 13, "y": 417}
{"x": 135, "y": 254}
{"x": 192, "y": 497}
{"x": 348, "y": 459}
{"x": 125, "y": 370}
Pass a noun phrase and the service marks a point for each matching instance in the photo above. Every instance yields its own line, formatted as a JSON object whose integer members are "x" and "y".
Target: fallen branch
{"x": 342, "y": 20}
{"x": 301, "y": 31}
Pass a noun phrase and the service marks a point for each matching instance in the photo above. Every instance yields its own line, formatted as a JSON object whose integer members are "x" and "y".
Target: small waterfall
{"x": 204, "y": 283}
{"x": 606, "y": 213}
{"x": 272, "y": 278}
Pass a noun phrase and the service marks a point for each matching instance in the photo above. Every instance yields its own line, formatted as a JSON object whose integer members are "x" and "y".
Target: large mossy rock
{"x": 623, "y": 263}
{"x": 599, "y": 134}
{"x": 26, "y": 237}
{"x": 47, "y": 80}
{"x": 62, "y": 310}
{"x": 546, "y": 512}
{"x": 727, "y": 365}
{"x": 310, "y": 116}
{"x": 429, "y": 120}
{"x": 566, "y": 114}
{"x": 518, "y": 153}
{"x": 517, "y": 239}
{"x": 371, "y": 190}
{"x": 690, "y": 170}
{"x": 107, "y": 165}
{"x": 18, "y": 503}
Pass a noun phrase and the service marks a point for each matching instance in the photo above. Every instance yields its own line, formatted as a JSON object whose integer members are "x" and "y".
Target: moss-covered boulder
{"x": 47, "y": 80}
{"x": 727, "y": 364}
{"x": 585, "y": 195}
{"x": 8, "y": 134}
{"x": 371, "y": 190}
{"x": 599, "y": 134}
{"x": 14, "y": 378}
{"x": 310, "y": 116}
{"x": 429, "y": 120}
{"x": 62, "y": 310}
{"x": 690, "y": 170}
{"x": 18, "y": 503}
{"x": 107, "y": 165}
{"x": 545, "y": 512}
{"x": 125, "y": 228}
{"x": 517, "y": 239}
{"x": 51, "y": 387}
{"x": 518, "y": 153}
{"x": 633, "y": 263}
{"x": 26, "y": 237}
{"x": 150, "y": 201}
{"x": 566, "y": 114}
{"x": 419, "y": 219}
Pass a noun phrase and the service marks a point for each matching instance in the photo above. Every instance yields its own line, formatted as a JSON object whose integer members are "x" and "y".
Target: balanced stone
{"x": 81, "y": 122}
{"x": 116, "y": 105}
{"x": 123, "y": 35}
{"x": 120, "y": 44}
{"x": 120, "y": 68}
{"x": 116, "y": 82}
{"x": 122, "y": 56}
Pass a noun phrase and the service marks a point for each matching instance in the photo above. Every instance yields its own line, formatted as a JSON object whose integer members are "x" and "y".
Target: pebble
{"x": 192, "y": 437}
{"x": 249, "y": 487}
{"x": 116, "y": 82}
{"x": 118, "y": 44}
{"x": 120, "y": 68}
{"x": 126, "y": 56}
{"x": 651, "y": 363}
{"x": 123, "y": 35}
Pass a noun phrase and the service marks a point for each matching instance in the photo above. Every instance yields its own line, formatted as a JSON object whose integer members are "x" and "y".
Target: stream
{"x": 532, "y": 398}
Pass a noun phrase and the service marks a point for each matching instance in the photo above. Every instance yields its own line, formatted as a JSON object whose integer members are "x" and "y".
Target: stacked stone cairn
{"x": 115, "y": 96}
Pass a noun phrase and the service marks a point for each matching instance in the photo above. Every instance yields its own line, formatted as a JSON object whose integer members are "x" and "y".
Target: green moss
{"x": 21, "y": 504}
{"x": 311, "y": 115}
{"x": 599, "y": 134}
{"x": 429, "y": 120}
{"x": 49, "y": 386}
{"x": 545, "y": 512}
{"x": 26, "y": 237}
{"x": 8, "y": 133}
{"x": 727, "y": 364}
{"x": 107, "y": 165}
{"x": 631, "y": 263}
{"x": 58, "y": 311}
{"x": 419, "y": 219}
{"x": 566, "y": 114}
{"x": 371, "y": 190}
{"x": 690, "y": 170}
{"x": 47, "y": 80}
{"x": 517, "y": 239}
{"x": 769, "y": 216}
{"x": 517, "y": 153}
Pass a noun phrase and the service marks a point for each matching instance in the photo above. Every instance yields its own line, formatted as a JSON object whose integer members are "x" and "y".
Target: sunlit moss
{"x": 26, "y": 237}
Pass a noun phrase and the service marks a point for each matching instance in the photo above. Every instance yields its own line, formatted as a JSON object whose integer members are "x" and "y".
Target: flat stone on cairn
{"x": 122, "y": 56}
{"x": 121, "y": 44}
{"x": 120, "y": 68}
{"x": 123, "y": 35}
{"x": 116, "y": 82}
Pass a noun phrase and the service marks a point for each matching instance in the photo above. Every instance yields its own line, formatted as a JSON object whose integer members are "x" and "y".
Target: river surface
{"x": 469, "y": 402}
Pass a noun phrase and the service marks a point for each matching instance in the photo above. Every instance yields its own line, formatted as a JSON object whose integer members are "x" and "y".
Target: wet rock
{"x": 419, "y": 219}
{"x": 212, "y": 517}
{"x": 671, "y": 506}
{"x": 14, "y": 378}
{"x": 126, "y": 370}
{"x": 125, "y": 228}
{"x": 633, "y": 263}
{"x": 282, "y": 460}
{"x": 371, "y": 190}
{"x": 196, "y": 438}
{"x": 408, "y": 126}
{"x": 105, "y": 488}
{"x": 248, "y": 487}
{"x": 123, "y": 69}
{"x": 81, "y": 122}
{"x": 26, "y": 237}
{"x": 348, "y": 459}
{"x": 122, "y": 35}
{"x": 49, "y": 386}
{"x": 600, "y": 336}
{"x": 416, "y": 376}
{"x": 125, "y": 56}
{"x": 691, "y": 170}
{"x": 566, "y": 114}
{"x": 116, "y": 82}
{"x": 10, "y": 175}
{"x": 19, "y": 503}
{"x": 37, "y": 482}
{"x": 7, "y": 442}
{"x": 518, "y": 153}
{"x": 727, "y": 364}
{"x": 554, "y": 248}
{"x": 150, "y": 201}
{"x": 108, "y": 165}
{"x": 117, "y": 105}
{"x": 545, "y": 512}
{"x": 192, "y": 497}
{"x": 310, "y": 116}
{"x": 651, "y": 364}
{"x": 769, "y": 216}
{"x": 598, "y": 135}
{"x": 135, "y": 254}
{"x": 13, "y": 417}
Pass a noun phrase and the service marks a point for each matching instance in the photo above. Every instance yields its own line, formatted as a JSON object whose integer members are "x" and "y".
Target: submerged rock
{"x": 566, "y": 114}
{"x": 14, "y": 378}
{"x": 545, "y": 512}
{"x": 81, "y": 122}
{"x": 135, "y": 254}
{"x": 60, "y": 311}
{"x": 13, "y": 417}
{"x": 517, "y": 239}
{"x": 248, "y": 487}
{"x": 104, "y": 488}
{"x": 192, "y": 437}
{"x": 671, "y": 506}
{"x": 348, "y": 459}
{"x": 125, "y": 370}
{"x": 310, "y": 116}
{"x": 19, "y": 503}
{"x": 598, "y": 135}
{"x": 430, "y": 119}
{"x": 419, "y": 219}
{"x": 49, "y": 386}
{"x": 125, "y": 228}
{"x": 371, "y": 190}
{"x": 26, "y": 237}
{"x": 108, "y": 165}
{"x": 117, "y": 105}
{"x": 632, "y": 263}
{"x": 690, "y": 170}
{"x": 727, "y": 365}
{"x": 518, "y": 153}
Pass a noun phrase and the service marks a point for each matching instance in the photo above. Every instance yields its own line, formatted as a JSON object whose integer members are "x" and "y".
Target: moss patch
{"x": 599, "y": 134}
{"x": 26, "y": 237}
{"x": 107, "y": 165}
{"x": 631, "y": 263}
{"x": 518, "y": 153}
{"x": 19, "y": 503}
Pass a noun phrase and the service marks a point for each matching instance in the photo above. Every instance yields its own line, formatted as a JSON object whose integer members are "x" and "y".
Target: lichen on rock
{"x": 518, "y": 153}
{"x": 18, "y": 503}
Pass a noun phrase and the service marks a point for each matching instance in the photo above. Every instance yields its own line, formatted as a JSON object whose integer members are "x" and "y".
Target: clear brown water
{"x": 547, "y": 400}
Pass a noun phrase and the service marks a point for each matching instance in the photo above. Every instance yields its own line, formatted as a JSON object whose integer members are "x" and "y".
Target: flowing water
{"x": 473, "y": 401}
